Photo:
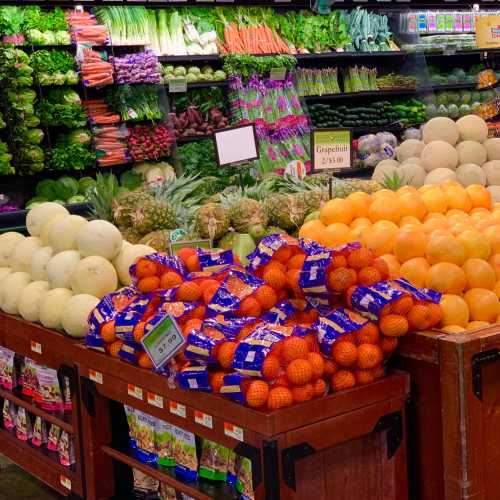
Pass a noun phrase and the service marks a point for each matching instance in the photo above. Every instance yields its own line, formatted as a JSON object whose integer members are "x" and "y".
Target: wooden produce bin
{"x": 454, "y": 415}
{"x": 56, "y": 351}
{"x": 349, "y": 445}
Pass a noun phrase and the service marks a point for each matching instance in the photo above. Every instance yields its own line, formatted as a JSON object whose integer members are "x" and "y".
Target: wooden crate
{"x": 454, "y": 417}
{"x": 347, "y": 445}
{"x": 56, "y": 351}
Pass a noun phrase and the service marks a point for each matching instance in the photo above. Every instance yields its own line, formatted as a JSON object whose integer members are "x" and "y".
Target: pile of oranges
{"x": 445, "y": 237}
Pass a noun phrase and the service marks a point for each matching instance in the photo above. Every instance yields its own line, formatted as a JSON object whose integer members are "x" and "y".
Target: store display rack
{"x": 55, "y": 351}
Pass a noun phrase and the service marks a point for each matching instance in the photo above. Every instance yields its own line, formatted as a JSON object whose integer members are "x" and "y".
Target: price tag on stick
{"x": 163, "y": 342}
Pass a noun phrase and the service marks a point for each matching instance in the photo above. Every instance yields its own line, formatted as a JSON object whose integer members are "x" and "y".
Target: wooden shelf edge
{"x": 36, "y": 410}
{"x": 38, "y": 464}
{"x": 158, "y": 474}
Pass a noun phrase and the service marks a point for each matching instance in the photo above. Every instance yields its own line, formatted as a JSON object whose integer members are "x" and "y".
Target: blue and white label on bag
{"x": 163, "y": 341}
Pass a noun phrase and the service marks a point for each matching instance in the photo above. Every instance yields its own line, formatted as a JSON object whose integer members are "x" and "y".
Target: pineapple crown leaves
{"x": 182, "y": 190}
{"x": 101, "y": 196}
{"x": 394, "y": 181}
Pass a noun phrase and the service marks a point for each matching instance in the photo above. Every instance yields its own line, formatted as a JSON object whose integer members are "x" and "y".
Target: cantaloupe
{"x": 409, "y": 148}
{"x": 63, "y": 233}
{"x": 472, "y": 128}
{"x": 492, "y": 147}
{"x": 385, "y": 168}
{"x": 99, "y": 237}
{"x": 7, "y": 243}
{"x": 94, "y": 276}
{"x": 11, "y": 289}
{"x": 483, "y": 304}
{"x": 60, "y": 268}
{"x": 20, "y": 259}
{"x": 495, "y": 193}
{"x": 492, "y": 171}
{"x": 471, "y": 152}
{"x": 38, "y": 265}
{"x": 440, "y": 128}
{"x": 413, "y": 160}
{"x": 469, "y": 173}
{"x": 4, "y": 272}
{"x": 440, "y": 175}
{"x": 29, "y": 300}
{"x": 40, "y": 214}
{"x": 439, "y": 154}
{"x": 75, "y": 314}
{"x": 52, "y": 305}
{"x": 127, "y": 256}
{"x": 45, "y": 228}
{"x": 412, "y": 174}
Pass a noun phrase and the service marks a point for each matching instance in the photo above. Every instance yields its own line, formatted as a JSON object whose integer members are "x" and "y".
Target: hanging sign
{"x": 236, "y": 145}
{"x": 176, "y": 85}
{"x": 163, "y": 341}
{"x": 331, "y": 149}
{"x": 488, "y": 32}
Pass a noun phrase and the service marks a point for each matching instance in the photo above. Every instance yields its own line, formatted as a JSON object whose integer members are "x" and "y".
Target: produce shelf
{"x": 356, "y": 95}
{"x": 200, "y": 490}
{"x": 63, "y": 420}
{"x": 40, "y": 463}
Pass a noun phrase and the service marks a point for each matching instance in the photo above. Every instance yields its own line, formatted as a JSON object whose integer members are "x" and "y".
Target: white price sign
{"x": 176, "y": 85}
{"x": 36, "y": 347}
{"x": 134, "y": 391}
{"x": 203, "y": 419}
{"x": 278, "y": 74}
{"x": 163, "y": 341}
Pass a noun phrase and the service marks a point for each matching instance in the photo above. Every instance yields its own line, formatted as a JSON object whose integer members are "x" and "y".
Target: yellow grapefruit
{"x": 479, "y": 274}
{"x": 359, "y": 203}
{"x": 483, "y": 304}
{"x": 492, "y": 234}
{"x": 435, "y": 200}
{"x": 455, "y": 310}
{"x": 380, "y": 239}
{"x": 312, "y": 229}
{"x": 384, "y": 209}
{"x": 446, "y": 278}
{"x": 457, "y": 197}
{"x": 415, "y": 271}
{"x": 336, "y": 210}
{"x": 445, "y": 249}
{"x": 412, "y": 204}
{"x": 479, "y": 196}
{"x": 409, "y": 244}
{"x": 335, "y": 234}
{"x": 393, "y": 265}
{"x": 494, "y": 261}
{"x": 361, "y": 221}
{"x": 475, "y": 244}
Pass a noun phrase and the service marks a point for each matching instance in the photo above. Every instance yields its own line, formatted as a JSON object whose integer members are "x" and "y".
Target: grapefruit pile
{"x": 444, "y": 237}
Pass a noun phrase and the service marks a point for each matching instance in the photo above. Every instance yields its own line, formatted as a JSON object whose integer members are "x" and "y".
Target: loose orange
{"x": 369, "y": 355}
{"x": 344, "y": 353}
{"x": 475, "y": 244}
{"x": 410, "y": 244}
{"x": 393, "y": 325}
{"x": 335, "y": 234}
{"x": 360, "y": 203}
{"x": 412, "y": 204}
{"x": 393, "y": 265}
{"x": 383, "y": 209}
{"x": 343, "y": 379}
{"x": 479, "y": 274}
{"x": 476, "y": 325}
{"x": 312, "y": 230}
{"x": 445, "y": 249}
{"x": 455, "y": 310}
{"x": 479, "y": 196}
{"x": 483, "y": 304}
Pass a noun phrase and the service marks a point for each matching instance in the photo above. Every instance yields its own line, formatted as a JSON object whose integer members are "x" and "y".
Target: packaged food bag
{"x": 9, "y": 414}
{"x": 144, "y": 485}
{"x": 244, "y": 482}
{"x": 49, "y": 396}
{"x": 131, "y": 415}
{"x": 277, "y": 246}
{"x": 39, "y": 436}
{"x": 23, "y": 425}
{"x": 66, "y": 450}
{"x": 8, "y": 379}
{"x": 167, "y": 492}
{"x": 186, "y": 460}
{"x": 157, "y": 271}
{"x": 213, "y": 461}
{"x": 194, "y": 377}
{"x": 164, "y": 435}
{"x": 145, "y": 438}
{"x": 53, "y": 437}
{"x": 214, "y": 260}
{"x": 232, "y": 463}
{"x": 66, "y": 393}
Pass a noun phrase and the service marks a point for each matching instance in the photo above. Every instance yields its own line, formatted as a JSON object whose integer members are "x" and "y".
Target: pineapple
{"x": 159, "y": 240}
{"x": 130, "y": 235}
{"x": 153, "y": 215}
{"x": 245, "y": 213}
{"x": 125, "y": 204}
{"x": 285, "y": 211}
{"x": 212, "y": 221}
{"x": 101, "y": 196}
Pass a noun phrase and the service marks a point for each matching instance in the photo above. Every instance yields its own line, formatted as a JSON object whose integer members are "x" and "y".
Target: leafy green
{"x": 11, "y": 20}
{"x": 67, "y": 155}
{"x": 44, "y": 20}
{"x": 46, "y": 189}
{"x": 135, "y": 102}
{"x": 52, "y": 61}
{"x": 62, "y": 107}
{"x": 246, "y": 65}
{"x": 203, "y": 99}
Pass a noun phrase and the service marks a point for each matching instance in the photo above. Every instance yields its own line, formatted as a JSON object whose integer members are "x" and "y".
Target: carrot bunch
{"x": 110, "y": 145}
{"x": 252, "y": 40}
{"x": 99, "y": 113}
{"x": 84, "y": 28}
{"x": 95, "y": 69}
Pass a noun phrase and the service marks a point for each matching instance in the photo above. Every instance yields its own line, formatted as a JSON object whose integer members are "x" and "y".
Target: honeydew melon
{"x": 99, "y": 237}
{"x": 471, "y": 174}
{"x": 41, "y": 213}
{"x": 44, "y": 230}
{"x": 440, "y": 128}
{"x": 439, "y": 154}
{"x": 63, "y": 233}
{"x": 94, "y": 276}
{"x": 20, "y": 259}
{"x": 60, "y": 268}
{"x": 38, "y": 265}
{"x": 471, "y": 152}
{"x": 472, "y": 128}
{"x": 4, "y": 272}
{"x": 11, "y": 289}
{"x": 7, "y": 243}
{"x": 127, "y": 256}
{"x": 29, "y": 300}
{"x": 52, "y": 305}
{"x": 492, "y": 171}
{"x": 409, "y": 148}
{"x": 492, "y": 147}
{"x": 439, "y": 175}
{"x": 75, "y": 314}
